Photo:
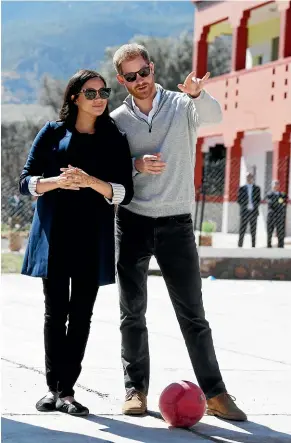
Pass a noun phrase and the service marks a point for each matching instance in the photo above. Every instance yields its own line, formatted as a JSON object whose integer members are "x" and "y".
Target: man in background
{"x": 277, "y": 202}
{"x": 249, "y": 198}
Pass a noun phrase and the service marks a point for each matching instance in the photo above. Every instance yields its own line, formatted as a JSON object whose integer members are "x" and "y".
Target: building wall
{"x": 262, "y": 49}
{"x": 288, "y": 221}
{"x": 263, "y": 30}
{"x": 288, "y": 218}
{"x": 213, "y": 213}
{"x": 250, "y": 98}
{"x": 232, "y": 215}
{"x": 210, "y": 142}
{"x": 257, "y": 150}
{"x": 255, "y": 146}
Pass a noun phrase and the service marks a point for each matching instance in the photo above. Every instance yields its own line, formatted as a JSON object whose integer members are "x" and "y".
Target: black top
{"x": 243, "y": 198}
{"x": 74, "y": 230}
{"x": 276, "y": 202}
{"x": 76, "y": 225}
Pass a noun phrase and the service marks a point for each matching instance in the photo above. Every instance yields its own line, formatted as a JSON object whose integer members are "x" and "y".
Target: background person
{"x": 276, "y": 216}
{"x": 249, "y": 199}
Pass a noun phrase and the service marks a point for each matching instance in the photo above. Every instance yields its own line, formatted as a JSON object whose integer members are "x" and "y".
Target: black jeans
{"x": 246, "y": 217}
{"x": 171, "y": 240}
{"x": 65, "y": 346}
{"x": 276, "y": 220}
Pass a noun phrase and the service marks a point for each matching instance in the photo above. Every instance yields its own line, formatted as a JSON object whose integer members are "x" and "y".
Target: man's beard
{"x": 142, "y": 91}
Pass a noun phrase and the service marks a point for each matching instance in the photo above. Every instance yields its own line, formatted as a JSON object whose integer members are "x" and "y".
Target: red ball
{"x": 182, "y": 404}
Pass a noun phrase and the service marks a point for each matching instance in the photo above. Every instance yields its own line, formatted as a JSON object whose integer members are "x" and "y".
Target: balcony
{"x": 257, "y": 98}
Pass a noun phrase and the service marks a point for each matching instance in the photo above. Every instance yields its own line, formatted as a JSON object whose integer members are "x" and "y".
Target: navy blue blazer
{"x": 43, "y": 161}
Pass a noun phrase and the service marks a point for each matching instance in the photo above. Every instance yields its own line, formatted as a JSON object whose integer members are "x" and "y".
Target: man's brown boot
{"x": 135, "y": 403}
{"x": 223, "y": 406}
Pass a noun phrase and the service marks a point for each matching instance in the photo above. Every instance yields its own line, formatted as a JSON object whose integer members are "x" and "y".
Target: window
{"x": 274, "y": 49}
{"x": 257, "y": 60}
{"x": 214, "y": 170}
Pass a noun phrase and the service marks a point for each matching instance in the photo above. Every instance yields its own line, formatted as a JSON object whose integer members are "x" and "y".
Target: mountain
{"x": 59, "y": 37}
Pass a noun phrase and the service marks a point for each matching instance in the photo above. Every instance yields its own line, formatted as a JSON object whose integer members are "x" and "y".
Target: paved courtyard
{"x": 250, "y": 321}
{"x": 220, "y": 240}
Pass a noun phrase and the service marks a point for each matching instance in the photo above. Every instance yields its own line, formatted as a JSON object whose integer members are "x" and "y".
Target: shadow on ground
{"x": 19, "y": 432}
{"x": 245, "y": 432}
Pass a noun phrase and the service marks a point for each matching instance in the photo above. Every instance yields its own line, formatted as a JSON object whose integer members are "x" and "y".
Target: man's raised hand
{"x": 193, "y": 85}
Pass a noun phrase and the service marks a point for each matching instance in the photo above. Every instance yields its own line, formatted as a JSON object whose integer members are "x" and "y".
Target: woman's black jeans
{"x": 65, "y": 345}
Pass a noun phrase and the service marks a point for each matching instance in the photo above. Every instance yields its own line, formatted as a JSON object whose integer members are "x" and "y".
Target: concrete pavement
{"x": 220, "y": 241}
{"x": 250, "y": 323}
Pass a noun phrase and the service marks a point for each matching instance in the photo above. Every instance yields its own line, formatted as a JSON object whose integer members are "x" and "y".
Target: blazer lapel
{"x": 60, "y": 149}
{"x": 64, "y": 142}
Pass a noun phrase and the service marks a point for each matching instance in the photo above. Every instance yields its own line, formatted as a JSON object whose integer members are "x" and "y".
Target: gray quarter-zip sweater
{"x": 173, "y": 133}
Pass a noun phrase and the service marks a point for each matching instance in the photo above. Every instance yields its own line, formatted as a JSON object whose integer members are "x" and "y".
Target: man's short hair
{"x": 129, "y": 52}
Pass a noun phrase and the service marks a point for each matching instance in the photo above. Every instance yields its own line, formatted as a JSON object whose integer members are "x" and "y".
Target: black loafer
{"x": 73, "y": 408}
{"x": 46, "y": 404}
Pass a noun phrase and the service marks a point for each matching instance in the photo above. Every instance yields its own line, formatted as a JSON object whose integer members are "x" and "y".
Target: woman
{"x": 79, "y": 167}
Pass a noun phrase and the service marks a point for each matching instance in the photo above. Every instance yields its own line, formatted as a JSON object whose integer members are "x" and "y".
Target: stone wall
{"x": 246, "y": 268}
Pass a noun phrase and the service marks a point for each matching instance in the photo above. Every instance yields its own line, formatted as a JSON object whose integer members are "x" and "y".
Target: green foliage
{"x": 51, "y": 93}
{"x": 208, "y": 227}
{"x": 11, "y": 263}
{"x": 219, "y": 55}
{"x": 4, "y": 227}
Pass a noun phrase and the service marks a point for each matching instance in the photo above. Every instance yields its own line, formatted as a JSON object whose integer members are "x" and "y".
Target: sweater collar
{"x": 160, "y": 89}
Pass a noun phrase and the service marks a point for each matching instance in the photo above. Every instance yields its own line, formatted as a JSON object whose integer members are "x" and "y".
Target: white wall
{"x": 255, "y": 145}
{"x": 230, "y": 218}
{"x": 264, "y": 49}
{"x": 288, "y": 215}
{"x": 288, "y": 221}
{"x": 213, "y": 213}
{"x": 289, "y": 190}
{"x": 254, "y": 148}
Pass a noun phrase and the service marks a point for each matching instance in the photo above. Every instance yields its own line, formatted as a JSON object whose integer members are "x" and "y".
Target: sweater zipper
{"x": 150, "y": 126}
{"x": 139, "y": 118}
{"x": 142, "y": 119}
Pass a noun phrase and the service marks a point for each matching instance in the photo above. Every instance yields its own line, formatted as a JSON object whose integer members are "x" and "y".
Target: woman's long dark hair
{"x": 69, "y": 110}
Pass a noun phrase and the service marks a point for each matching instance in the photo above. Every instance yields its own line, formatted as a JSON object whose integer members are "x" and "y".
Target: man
{"x": 276, "y": 214}
{"x": 161, "y": 127}
{"x": 249, "y": 199}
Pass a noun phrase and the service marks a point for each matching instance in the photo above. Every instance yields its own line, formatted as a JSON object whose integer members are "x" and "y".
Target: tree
{"x": 219, "y": 55}
{"x": 17, "y": 138}
{"x": 173, "y": 62}
{"x": 51, "y": 93}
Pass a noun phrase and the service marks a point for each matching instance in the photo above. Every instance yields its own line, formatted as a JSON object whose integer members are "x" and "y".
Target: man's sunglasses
{"x": 143, "y": 72}
{"x": 91, "y": 93}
